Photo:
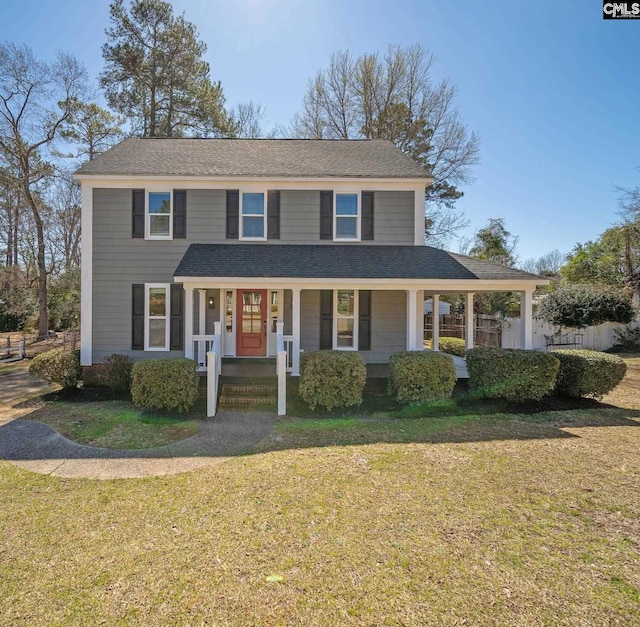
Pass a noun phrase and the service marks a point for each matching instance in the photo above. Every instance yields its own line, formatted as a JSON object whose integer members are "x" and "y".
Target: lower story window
{"x": 345, "y": 315}
{"x": 157, "y": 317}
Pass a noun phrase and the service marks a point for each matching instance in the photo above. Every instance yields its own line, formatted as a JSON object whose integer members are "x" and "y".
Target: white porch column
{"x": 526, "y": 319}
{"x": 435, "y": 343}
{"x": 468, "y": 321}
{"x": 412, "y": 320}
{"x": 295, "y": 330}
{"x": 188, "y": 322}
{"x": 202, "y": 312}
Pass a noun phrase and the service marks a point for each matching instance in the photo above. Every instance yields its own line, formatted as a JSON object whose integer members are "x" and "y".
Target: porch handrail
{"x": 281, "y": 369}
{"x": 214, "y": 366}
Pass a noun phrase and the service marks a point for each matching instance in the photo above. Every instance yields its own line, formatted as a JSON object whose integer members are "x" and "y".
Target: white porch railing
{"x": 282, "y": 365}
{"x": 214, "y": 366}
{"x": 202, "y": 344}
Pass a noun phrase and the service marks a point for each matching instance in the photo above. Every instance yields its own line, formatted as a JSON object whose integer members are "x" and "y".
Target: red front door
{"x": 251, "y": 336}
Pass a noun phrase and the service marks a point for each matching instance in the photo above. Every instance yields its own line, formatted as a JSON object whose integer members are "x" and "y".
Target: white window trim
{"x": 356, "y": 314}
{"x": 166, "y": 317}
{"x": 264, "y": 193}
{"x": 358, "y": 216}
{"x": 147, "y": 214}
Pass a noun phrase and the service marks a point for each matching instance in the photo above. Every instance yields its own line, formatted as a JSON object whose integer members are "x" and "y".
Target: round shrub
{"x": 115, "y": 373}
{"x": 453, "y": 346}
{"x": 332, "y": 379}
{"x": 421, "y": 376}
{"x": 170, "y": 384}
{"x": 511, "y": 374}
{"x": 588, "y": 373}
{"x": 57, "y": 366}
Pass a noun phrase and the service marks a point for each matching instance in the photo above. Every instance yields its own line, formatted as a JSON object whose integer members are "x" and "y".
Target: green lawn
{"x": 521, "y": 526}
{"x": 494, "y": 519}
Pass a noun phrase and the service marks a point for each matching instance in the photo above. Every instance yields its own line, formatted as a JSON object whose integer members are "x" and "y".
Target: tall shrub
{"x": 511, "y": 374}
{"x": 332, "y": 379}
{"x": 421, "y": 376}
{"x": 57, "y": 366}
{"x": 588, "y": 373}
{"x": 580, "y": 306}
{"x": 170, "y": 384}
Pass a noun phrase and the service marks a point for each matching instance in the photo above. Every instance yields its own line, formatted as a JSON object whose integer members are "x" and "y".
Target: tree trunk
{"x": 43, "y": 325}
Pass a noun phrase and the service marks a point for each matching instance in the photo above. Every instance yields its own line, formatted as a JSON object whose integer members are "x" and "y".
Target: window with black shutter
{"x": 179, "y": 214}
{"x": 233, "y": 214}
{"x": 326, "y": 215}
{"x": 137, "y": 316}
{"x": 273, "y": 214}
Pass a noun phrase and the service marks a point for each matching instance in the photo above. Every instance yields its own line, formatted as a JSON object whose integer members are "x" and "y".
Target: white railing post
{"x": 217, "y": 332}
{"x": 281, "y": 369}
{"x": 212, "y": 387}
{"x": 214, "y": 367}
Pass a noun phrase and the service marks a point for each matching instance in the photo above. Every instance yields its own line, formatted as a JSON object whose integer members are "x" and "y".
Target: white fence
{"x": 598, "y": 338}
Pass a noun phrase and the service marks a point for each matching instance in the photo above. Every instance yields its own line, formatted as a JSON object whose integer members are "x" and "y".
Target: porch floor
{"x": 266, "y": 367}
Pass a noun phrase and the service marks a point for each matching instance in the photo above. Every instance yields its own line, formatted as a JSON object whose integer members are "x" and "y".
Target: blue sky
{"x": 551, "y": 88}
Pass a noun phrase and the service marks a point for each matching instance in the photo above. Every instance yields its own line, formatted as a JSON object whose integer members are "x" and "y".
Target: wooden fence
{"x": 487, "y": 329}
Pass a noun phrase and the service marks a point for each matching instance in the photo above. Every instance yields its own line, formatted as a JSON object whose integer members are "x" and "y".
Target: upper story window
{"x": 159, "y": 216}
{"x": 253, "y": 216}
{"x": 347, "y": 217}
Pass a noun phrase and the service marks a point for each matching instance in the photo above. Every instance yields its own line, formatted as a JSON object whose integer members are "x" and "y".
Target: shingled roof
{"x": 254, "y": 158}
{"x": 315, "y": 261}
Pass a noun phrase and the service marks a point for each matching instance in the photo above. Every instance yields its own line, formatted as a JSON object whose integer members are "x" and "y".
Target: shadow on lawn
{"x": 378, "y": 421}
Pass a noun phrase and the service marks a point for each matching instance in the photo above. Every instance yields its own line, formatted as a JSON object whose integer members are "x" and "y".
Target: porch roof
{"x": 313, "y": 261}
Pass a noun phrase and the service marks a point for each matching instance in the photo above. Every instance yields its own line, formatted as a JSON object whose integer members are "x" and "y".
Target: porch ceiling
{"x": 364, "y": 262}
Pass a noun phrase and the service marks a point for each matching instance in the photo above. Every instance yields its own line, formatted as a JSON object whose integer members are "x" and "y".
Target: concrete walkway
{"x": 35, "y": 446}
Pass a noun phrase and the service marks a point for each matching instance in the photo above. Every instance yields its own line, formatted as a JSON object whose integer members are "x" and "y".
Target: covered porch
{"x": 273, "y": 302}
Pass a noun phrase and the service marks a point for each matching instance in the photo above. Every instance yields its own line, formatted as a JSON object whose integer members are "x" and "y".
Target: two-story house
{"x": 189, "y": 240}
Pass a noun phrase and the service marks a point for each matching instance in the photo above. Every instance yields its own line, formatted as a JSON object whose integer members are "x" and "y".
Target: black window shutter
{"x": 137, "y": 316}
{"x": 326, "y": 215}
{"x": 273, "y": 214}
{"x": 326, "y": 320}
{"x": 367, "y": 216}
{"x": 137, "y": 204}
{"x": 176, "y": 330}
{"x": 233, "y": 214}
{"x": 179, "y": 214}
{"x": 364, "y": 320}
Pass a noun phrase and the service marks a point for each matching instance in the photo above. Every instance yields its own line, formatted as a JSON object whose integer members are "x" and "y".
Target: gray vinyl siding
{"x": 388, "y": 323}
{"x": 300, "y": 218}
{"x": 119, "y": 260}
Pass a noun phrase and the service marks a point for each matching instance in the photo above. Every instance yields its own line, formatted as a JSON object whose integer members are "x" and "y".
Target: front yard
{"x": 499, "y": 519}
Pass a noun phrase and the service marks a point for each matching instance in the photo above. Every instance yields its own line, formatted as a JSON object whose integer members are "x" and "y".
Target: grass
{"x": 409, "y": 519}
{"x": 84, "y": 417}
{"x": 514, "y": 528}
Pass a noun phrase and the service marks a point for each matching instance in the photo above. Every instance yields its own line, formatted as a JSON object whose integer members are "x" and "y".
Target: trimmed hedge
{"x": 511, "y": 374}
{"x": 115, "y": 373}
{"x": 332, "y": 379}
{"x": 421, "y": 376}
{"x": 170, "y": 384}
{"x": 57, "y": 366}
{"x": 588, "y": 373}
{"x": 453, "y": 346}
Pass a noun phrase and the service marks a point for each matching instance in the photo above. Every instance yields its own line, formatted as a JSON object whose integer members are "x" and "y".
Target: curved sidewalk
{"x": 35, "y": 446}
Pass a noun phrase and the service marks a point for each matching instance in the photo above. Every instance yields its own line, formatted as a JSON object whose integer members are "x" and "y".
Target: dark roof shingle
{"x": 254, "y": 158}
{"x": 315, "y": 261}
